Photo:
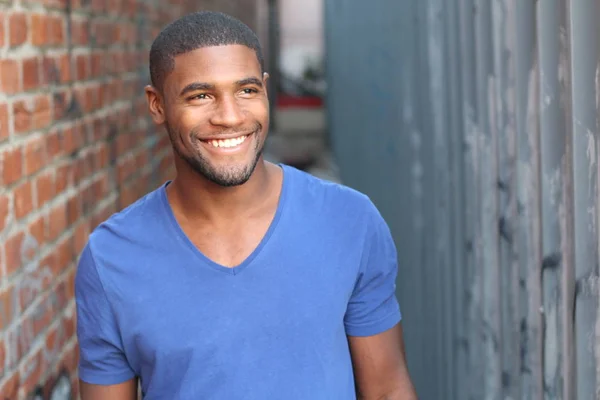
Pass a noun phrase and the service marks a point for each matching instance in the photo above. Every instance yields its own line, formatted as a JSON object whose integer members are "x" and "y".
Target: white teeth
{"x": 229, "y": 142}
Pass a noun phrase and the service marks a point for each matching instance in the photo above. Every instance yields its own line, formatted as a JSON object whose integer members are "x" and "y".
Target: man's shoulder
{"x": 330, "y": 193}
{"x": 132, "y": 221}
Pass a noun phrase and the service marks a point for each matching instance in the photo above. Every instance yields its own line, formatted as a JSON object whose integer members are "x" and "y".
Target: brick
{"x": 32, "y": 371}
{"x": 99, "y": 131}
{"x": 23, "y": 201}
{"x": 62, "y": 102}
{"x": 61, "y": 298}
{"x": 126, "y": 196}
{"x": 102, "y": 215}
{"x": 3, "y": 122}
{"x": 64, "y": 178}
{"x": 17, "y": 28}
{"x": 123, "y": 142}
{"x": 68, "y": 140}
{"x": 43, "y": 112}
{"x": 37, "y": 230}
{"x": 96, "y": 99}
{"x": 87, "y": 199}
{"x": 82, "y": 68}
{"x": 33, "y": 113}
{"x": 100, "y": 186}
{"x": 39, "y": 29}
{"x": 131, "y": 8}
{"x": 118, "y": 62}
{"x": 117, "y": 33}
{"x": 9, "y": 76}
{"x": 53, "y": 341}
{"x": 10, "y": 388}
{"x": 63, "y": 255}
{"x": 7, "y": 307}
{"x": 98, "y": 5}
{"x": 74, "y": 209}
{"x": 57, "y": 221}
{"x": 99, "y": 96}
{"x": 45, "y": 311}
{"x": 84, "y": 99}
{"x": 78, "y": 171}
{"x": 35, "y": 155}
{"x": 80, "y": 238}
{"x": 2, "y": 25}
{"x": 73, "y": 139}
{"x": 22, "y": 116}
{"x": 141, "y": 159}
{"x": 97, "y": 67}
{"x": 124, "y": 170}
{"x": 4, "y": 211}
{"x": 114, "y": 6}
{"x": 2, "y": 358}
{"x": 12, "y": 165}
{"x": 56, "y": 28}
{"x": 12, "y": 251}
{"x": 45, "y": 188}
{"x": 80, "y": 32}
{"x": 53, "y": 146}
{"x": 31, "y": 73}
{"x": 56, "y": 69}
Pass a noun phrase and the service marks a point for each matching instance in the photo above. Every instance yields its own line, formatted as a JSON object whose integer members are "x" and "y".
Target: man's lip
{"x": 226, "y": 137}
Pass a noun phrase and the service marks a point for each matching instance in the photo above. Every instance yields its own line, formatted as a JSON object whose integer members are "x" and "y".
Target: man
{"x": 239, "y": 279}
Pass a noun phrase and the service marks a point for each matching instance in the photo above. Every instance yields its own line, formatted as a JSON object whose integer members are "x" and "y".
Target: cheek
{"x": 186, "y": 121}
{"x": 260, "y": 111}
{"x": 189, "y": 117}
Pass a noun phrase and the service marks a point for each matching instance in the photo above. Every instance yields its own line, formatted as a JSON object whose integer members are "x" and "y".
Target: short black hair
{"x": 195, "y": 31}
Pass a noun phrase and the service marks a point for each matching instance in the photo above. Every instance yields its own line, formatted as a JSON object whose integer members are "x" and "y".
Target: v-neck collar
{"x": 248, "y": 260}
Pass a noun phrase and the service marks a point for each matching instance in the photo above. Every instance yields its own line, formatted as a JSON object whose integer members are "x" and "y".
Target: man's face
{"x": 216, "y": 112}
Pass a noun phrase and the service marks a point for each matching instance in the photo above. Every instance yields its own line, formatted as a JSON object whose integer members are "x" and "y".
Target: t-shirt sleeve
{"x": 101, "y": 356}
{"x": 373, "y": 307}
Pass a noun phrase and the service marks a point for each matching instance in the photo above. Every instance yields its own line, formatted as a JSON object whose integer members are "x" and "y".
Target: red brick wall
{"x": 75, "y": 146}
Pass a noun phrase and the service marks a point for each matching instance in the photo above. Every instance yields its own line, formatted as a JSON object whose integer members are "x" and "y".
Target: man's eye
{"x": 200, "y": 96}
{"x": 249, "y": 91}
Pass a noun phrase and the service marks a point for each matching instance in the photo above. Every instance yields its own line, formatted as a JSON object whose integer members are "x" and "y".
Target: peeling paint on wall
{"x": 508, "y": 90}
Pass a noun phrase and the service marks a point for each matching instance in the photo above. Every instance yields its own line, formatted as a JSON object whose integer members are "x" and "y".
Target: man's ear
{"x": 155, "y": 104}
{"x": 265, "y": 81}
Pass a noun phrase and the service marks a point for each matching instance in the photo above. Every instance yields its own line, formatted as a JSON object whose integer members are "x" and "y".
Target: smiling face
{"x": 215, "y": 108}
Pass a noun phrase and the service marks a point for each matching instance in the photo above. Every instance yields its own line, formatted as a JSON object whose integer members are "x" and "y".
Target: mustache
{"x": 196, "y": 133}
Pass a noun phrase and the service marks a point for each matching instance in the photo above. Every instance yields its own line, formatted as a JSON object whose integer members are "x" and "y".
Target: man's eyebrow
{"x": 192, "y": 87}
{"x": 250, "y": 81}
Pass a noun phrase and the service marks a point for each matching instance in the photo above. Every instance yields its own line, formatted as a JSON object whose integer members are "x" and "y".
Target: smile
{"x": 227, "y": 143}
{"x": 229, "y": 146}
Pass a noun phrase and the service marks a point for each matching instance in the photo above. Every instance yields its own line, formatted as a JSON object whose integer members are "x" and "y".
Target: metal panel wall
{"x": 473, "y": 125}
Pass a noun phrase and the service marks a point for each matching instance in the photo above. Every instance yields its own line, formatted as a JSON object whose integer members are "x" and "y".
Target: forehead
{"x": 215, "y": 65}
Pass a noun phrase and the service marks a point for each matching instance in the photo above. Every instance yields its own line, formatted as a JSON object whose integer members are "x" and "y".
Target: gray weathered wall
{"x": 473, "y": 125}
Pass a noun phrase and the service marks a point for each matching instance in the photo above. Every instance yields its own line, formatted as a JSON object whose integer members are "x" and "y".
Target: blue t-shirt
{"x": 151, "y": 305}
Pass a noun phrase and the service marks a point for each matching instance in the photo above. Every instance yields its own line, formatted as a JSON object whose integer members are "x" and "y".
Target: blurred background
{"x": 472, "y": 124}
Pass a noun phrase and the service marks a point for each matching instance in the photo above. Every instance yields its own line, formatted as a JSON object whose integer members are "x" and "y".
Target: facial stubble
{"x": 231, "y": 176}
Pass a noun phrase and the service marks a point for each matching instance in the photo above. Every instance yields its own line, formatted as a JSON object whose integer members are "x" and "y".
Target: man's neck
{"x": 197, "y": 199}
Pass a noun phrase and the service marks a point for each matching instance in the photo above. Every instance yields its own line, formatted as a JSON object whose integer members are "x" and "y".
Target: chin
{"x": 228, "y": 175}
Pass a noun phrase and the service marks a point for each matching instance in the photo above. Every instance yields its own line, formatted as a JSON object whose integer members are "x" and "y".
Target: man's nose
{"x": 228, "y": 113}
